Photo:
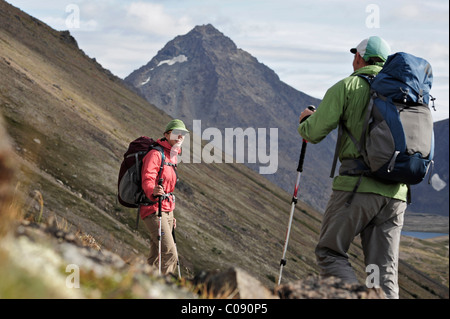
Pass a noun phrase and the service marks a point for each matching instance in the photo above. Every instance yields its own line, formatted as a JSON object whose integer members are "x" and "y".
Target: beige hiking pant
{"x": 168, "y": 249}
{"x": 379, "y": 221}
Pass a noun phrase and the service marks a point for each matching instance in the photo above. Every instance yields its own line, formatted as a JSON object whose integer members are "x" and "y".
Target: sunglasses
{"x": 179, "y": 132}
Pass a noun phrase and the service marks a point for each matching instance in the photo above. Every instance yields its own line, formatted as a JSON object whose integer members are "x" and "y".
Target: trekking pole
{"x": 294, "y": 199}
{"x": 159, "y": 227}
{"x": 178, "y": 260}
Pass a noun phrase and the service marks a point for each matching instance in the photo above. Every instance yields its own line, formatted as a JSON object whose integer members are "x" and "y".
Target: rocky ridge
{"x": 72, "y": 265}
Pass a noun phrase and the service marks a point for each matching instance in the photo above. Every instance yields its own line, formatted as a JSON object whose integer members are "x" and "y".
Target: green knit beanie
{"x": 176, "y": 125}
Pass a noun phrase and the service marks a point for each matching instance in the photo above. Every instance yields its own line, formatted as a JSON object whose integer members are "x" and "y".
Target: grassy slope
{"x": 71, "y": 121}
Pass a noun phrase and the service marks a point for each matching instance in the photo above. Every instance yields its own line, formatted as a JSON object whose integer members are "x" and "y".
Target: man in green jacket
{"x": 376, "y": 210}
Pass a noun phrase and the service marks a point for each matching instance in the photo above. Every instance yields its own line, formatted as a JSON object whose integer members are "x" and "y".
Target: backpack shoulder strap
{"x": 368, "y": 77}
{"x": 163, "y": 161}
{"x": 342, "y": 128}
{"x": 163, "y": 158}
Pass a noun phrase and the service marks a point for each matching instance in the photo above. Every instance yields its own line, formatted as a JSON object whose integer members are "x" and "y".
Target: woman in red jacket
{"x": 171, "y": 145}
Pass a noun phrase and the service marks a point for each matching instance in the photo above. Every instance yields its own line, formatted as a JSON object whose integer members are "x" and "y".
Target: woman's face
{"x": 175, "y": 137}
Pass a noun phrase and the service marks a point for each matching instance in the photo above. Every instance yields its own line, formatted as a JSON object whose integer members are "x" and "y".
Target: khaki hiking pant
{"x": 168, "y": 249}
{"x": 379, "y": 221}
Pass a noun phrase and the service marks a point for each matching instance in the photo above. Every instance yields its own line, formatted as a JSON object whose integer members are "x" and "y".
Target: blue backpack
{"x": 397, "y": 143}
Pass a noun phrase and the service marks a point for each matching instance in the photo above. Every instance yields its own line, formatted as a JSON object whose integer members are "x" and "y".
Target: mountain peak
{"x": 210, "y": 37}
{"x": 202, "y": 44}
{"x": 207, "y": 29}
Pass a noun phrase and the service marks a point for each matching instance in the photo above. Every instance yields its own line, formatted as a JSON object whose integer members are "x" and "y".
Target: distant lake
{"x": 422, "y": 235}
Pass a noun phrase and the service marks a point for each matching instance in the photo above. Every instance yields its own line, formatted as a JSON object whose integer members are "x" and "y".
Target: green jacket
{"x": 347, "y": 100}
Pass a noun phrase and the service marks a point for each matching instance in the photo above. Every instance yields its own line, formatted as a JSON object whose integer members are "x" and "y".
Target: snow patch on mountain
{"x": 178, "y": 59}
{"x": 145, "y": 82}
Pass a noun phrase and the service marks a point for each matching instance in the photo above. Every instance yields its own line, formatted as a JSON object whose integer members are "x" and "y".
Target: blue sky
{"x": 305, "y": 42}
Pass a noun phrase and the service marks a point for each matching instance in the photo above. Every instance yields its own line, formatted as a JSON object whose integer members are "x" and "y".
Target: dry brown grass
{"x": 8, "y": 210}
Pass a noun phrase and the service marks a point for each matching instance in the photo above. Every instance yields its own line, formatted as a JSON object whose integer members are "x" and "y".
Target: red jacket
{"x": 150, "y": 169}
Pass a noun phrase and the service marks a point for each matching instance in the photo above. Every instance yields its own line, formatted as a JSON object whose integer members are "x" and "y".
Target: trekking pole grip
{"x": 311, "y": 108}
{"x": 303, "y": 151}
{"x": 302, "y": 156}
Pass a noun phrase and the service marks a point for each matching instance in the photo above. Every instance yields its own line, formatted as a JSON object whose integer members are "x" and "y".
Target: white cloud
{"x": 152, "y": 18}
{"x": 410, "y": 11}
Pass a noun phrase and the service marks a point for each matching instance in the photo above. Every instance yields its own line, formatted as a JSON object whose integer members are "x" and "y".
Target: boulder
{"x": 314, "y": 287}
{"x": 233, "y": 283}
